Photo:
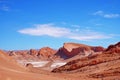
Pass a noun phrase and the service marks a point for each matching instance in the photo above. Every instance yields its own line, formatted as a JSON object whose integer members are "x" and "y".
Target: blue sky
{"x": 26, "y": 24}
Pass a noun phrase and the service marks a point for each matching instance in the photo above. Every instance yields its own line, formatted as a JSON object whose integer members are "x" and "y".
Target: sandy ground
{"x": 11, "y": 70}
{"x": 12, "y": 74}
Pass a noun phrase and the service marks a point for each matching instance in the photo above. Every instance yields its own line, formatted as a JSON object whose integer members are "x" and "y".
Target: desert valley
{"x": 73, "y": 61}
{"x": 59, "y": 40}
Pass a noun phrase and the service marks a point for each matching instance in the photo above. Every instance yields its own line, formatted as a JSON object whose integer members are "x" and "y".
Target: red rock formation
{"x": 111, "y": 56}
{"x": 71, "y": 49}
{"x": 118, "y": 44}
{"x": 33, "y": 52}
{"x": 23, "y": 54}
{"x": 97, "y": 49}
{"x": 113, "y": 48}
{"x": 46, "y": 52}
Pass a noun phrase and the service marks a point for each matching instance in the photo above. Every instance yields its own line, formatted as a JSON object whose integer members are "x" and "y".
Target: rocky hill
{"x": 42, "y": 57}
{"x": 72, "y": 49}
{"x": 96, "y": 63}
{"x": 32, "y": 54}
{"x": 68, "y": 51}
{"x": 105, "y": 65}
{"x": 46, "y": 52}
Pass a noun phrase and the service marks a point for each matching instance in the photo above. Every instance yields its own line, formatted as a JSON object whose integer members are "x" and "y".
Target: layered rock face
{"x": 97, "y": 49}
{"x": 113, "y": 48}
{"x": 71, "y": 49}
{"x": 22, "y": 55}
{"x": 67, "y": 51}
{"x": 32, "y": 54}
{"x": 101, "y": 66}
{"x": 46, "y": 52}
{"x": 94, "y": 66}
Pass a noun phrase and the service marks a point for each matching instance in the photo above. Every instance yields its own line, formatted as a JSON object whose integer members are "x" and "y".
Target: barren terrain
{"x": 104, "y": 65}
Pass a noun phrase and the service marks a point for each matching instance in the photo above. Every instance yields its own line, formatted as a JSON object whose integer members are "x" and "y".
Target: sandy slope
{"x": 10, "y": 70}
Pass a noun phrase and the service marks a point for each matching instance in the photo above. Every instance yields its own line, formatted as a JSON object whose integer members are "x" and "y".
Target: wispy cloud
{"x": 57, "y": 31}
{"x": 4, "y": 5}
{"x": 46, "y": 29}
{"x": 106, "y": 15}
{"x": 5, "y": 8}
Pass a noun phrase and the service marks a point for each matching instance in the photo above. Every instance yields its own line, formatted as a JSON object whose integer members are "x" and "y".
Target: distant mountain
{"x": 68, "y": 51}
{"x": 32, "y": 54}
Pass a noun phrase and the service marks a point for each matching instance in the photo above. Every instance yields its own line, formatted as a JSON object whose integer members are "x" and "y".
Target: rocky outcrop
{"x": 71, "y": 49}
{"x": 99, "y": 65}
{"x": 110, "y": 72}
{"x": 97, "y": 49}
{"x": 113, "y": 48}
{"x": 46, "y": 52}
{"x": 32, "y": 54}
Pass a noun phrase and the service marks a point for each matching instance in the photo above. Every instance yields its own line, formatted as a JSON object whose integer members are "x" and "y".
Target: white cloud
{"x": 105, "y": 15}
{"x": 111, "y": 15}
{"x": 46, "y": 29}
{"x": 89, "y": 37}
{"x": 55, "y": 31}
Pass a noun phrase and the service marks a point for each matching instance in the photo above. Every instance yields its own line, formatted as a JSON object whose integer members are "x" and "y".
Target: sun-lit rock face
{"x": 107, "y": 58}
{"x": 70, "y": 46}
{"x": 46, "y": 52}
{"x": 71, "y": 49}
{"x": 33, "y": 52}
